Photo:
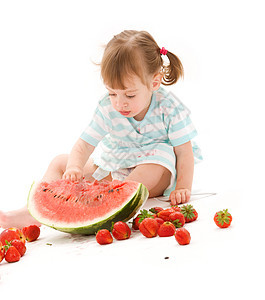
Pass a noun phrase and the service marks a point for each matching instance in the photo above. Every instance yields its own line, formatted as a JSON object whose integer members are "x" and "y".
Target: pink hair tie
{"x": 163, "y": 51}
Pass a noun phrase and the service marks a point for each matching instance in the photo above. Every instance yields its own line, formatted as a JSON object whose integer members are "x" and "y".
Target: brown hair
{"x": 136, "y": 53}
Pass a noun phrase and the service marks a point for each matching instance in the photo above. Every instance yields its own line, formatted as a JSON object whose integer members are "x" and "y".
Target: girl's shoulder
{"x": 168, "y": 99}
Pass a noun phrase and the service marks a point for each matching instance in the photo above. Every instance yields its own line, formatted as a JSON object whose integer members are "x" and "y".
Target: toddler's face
{"x": 133, "y": 101}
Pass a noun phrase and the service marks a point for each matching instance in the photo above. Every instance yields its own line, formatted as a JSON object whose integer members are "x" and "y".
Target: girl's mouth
{"x": 124, "y": 113}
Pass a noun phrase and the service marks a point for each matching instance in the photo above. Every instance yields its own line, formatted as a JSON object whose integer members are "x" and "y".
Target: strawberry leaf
{"x": 188, "y": 211}
{"x": 144, "y": 214}
{"x": 8, "y": 244}
{"x": 177, "y": 223}
{"x": 223, "y": 217}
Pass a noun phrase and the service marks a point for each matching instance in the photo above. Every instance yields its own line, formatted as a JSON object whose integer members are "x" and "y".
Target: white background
{"x": 49, "y": 85}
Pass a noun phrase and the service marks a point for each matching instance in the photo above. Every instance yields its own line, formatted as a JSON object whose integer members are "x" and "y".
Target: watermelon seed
{"x": 117, "y": 190}
{"x": 44, "y": 190}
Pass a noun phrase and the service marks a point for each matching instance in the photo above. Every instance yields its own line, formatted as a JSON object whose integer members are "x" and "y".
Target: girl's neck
{"x": 143, "y": 113}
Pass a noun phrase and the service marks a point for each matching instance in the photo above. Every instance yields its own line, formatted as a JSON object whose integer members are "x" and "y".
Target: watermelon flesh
{"x": 85, "y": 207}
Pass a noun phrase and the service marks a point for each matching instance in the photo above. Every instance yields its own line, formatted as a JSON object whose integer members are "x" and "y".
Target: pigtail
{"x": 172, "y": 71}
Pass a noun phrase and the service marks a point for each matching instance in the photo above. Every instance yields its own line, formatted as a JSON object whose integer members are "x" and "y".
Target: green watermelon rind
{"x": 124, "y": 214}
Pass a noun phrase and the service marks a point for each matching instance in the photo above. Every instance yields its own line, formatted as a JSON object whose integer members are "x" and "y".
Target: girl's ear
{"x": 157, "y": 81}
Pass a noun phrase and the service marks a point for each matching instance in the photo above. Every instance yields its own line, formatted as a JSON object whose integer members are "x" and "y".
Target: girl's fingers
{"x": 173, "y": 199}
{"x": 188, "y": 193}
{"x": 178, "y": 198}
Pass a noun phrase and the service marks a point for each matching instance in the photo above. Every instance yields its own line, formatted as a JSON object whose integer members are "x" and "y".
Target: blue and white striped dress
{"x": 123, "y": 142}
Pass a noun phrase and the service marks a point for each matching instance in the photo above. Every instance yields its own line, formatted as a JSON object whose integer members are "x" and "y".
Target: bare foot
{"x": 17, "y": 218}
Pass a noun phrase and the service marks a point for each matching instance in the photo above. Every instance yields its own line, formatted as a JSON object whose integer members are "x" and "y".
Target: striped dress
{"x": 123, "y": 142}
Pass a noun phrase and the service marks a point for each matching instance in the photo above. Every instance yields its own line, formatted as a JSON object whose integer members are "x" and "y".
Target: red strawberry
{"x": 9, "y": 235}
{"x": 177, "y": 219}
{"x": 176, "y": 207}
{"x": 156, "y": 209}
{"x": 159, "y": 221}
{"x": 31, "y": 232}
{"x": 20, "y": 246}
{"x": 121, "y": 231}
{"x": 135, "y": 224}
{"x": 104, "y": 237}
{"x": 189, "y": 213}
{"x": 20, "y": 233}
{"x": 166, "y": 229}
{"x": 149, "y": 227}
{"x": 140, "y": 217}
{"x": 164, "y": 214}
{"x": 12, "y": 254}
{"x": 223, "y": 218}
{"x": 182, "y": 236}
{"x": 2, "y": 252}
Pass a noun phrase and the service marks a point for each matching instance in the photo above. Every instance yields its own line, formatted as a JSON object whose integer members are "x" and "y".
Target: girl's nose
{"x": 121, "y": 103}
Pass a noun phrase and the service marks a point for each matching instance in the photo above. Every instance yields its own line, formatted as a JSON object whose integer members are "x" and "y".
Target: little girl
{"x": 139, "y": 131}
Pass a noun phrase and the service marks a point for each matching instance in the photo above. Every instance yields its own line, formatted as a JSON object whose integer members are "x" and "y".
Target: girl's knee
{"x": 151, "y": 175}
{"x": 158, "y": 170}
{"x": 56, "y": 168}
{"x": 59, "y": 161}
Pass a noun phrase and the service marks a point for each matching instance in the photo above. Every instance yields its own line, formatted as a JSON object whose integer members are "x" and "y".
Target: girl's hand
{"x": 179, "y": 196}
{"x": 73, "y": 174}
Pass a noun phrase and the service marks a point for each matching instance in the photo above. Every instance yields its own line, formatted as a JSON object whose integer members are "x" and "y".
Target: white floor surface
{"x": 216, "y": 262}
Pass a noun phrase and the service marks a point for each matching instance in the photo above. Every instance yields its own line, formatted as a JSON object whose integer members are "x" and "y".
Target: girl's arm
{"x": 185, "y": 168}
{"x": 77, "y": 160}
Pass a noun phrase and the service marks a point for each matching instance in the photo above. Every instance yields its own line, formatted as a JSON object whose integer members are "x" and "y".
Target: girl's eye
{"x": 131, "y": 96}
{"x": 112, "y": 95}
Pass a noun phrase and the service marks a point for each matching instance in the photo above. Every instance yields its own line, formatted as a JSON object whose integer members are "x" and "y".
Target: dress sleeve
{"x": 178, "y": 123}
{"x": 99, "y": 126}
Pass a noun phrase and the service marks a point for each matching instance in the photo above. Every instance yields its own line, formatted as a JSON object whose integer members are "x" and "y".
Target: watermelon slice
{"x": 85, "y": 207}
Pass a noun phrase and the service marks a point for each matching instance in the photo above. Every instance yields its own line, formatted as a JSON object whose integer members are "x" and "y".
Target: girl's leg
{"x": 155, "y": 177}
{"x": 21, "y": 217}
